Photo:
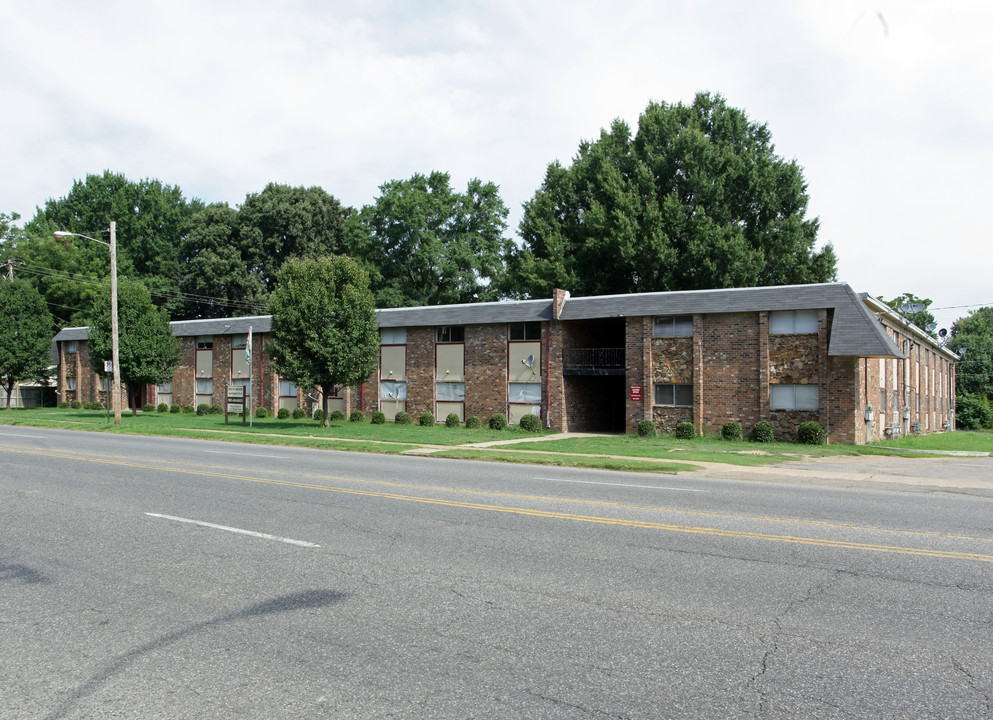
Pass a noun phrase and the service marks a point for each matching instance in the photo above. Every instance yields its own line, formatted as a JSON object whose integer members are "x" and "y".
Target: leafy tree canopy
{"x": 324, "y": 329}
{"x": 972, "y": 339}
{"x": 426, "y": 244}
{"x": 915, "y": 309}
{"x": 151, "y": 221}
{"x": 697, "y": 198}
{"x": 218, "y": 281}
{"x": 284, "y": 222}
{"x": 149, "y": 353}
{"x": 25, "y": 334}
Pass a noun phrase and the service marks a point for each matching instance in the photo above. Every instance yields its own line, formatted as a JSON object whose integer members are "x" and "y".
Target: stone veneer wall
{"x": 794, "y": 359}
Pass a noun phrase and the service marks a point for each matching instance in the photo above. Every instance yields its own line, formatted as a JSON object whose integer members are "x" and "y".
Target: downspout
{"x": 548, "y": 362}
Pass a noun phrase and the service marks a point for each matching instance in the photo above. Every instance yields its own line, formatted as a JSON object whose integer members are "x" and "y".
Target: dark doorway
{"x": 595, "y": 403}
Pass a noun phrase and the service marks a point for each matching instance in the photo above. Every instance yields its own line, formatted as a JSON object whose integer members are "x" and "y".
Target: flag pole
{"x": 251, "y": 376}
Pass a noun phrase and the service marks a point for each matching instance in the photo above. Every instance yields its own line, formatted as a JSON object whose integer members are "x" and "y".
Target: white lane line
{"x": 35, "y": 437}
{"x": 647, "y": 487}
{"x": 264, "y": 536}
{"x": 221, "y": 452}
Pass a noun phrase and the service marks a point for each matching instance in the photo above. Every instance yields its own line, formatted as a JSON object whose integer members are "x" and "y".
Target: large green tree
{"x": 284, "y": 222}
{"x": 149, "y": 353}
{"x": 324, "y": 329}
{"x": 426, "y": 244}
{"x": 915, "y": 309}
{"x": 972, "y": 339}
{"x": 151, "y": 221}
{"x": 25, "y": 334}
{"x": 218, "y": 280}
{"x": 697, "y": 198}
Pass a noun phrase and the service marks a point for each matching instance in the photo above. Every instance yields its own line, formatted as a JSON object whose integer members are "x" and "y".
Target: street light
{"x": 115, "y": 391}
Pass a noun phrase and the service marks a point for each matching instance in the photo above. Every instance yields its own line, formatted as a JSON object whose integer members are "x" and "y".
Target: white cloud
{"x": 884, "y": 104}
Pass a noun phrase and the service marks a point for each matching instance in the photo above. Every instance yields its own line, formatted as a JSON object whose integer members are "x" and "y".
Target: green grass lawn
{"x": 658, "y": 454}
{"x": 972, "y": 441}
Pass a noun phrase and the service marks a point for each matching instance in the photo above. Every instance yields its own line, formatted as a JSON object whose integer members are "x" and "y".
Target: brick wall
{"x": 486, "y": 370}
{"x": 728, "y": 370}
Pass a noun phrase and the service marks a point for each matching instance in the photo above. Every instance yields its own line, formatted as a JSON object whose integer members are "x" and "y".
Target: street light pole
{"x": 114, "y": 342}
{"x": 115, "y": 391}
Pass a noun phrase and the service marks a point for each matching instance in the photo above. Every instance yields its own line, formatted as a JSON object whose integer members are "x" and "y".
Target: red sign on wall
{"x": 636, "y": 393}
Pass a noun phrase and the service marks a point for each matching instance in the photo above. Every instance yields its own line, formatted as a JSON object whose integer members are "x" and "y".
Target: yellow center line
{"x": 648, "y": 525}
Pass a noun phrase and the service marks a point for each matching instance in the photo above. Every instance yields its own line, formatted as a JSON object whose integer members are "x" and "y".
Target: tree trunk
{"x": 10, "y": 391}
{"x": 326, "y": 403}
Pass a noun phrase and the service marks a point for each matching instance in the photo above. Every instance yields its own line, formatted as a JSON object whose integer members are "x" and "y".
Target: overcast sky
{"x": 886, "y": 105}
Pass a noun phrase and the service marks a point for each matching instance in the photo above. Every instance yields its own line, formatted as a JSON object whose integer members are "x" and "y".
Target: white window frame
{"x": 794, "y": 322}
{"x": 667, "y": 326}
{"x": 794, "y": 397}
{"x": 674, "y": 403}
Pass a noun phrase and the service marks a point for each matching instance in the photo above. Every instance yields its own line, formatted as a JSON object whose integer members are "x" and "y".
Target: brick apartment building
{"x": 785, "y": 354}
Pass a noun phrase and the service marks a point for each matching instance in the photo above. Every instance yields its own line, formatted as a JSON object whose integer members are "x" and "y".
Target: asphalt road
{"x": 162, "y": 578}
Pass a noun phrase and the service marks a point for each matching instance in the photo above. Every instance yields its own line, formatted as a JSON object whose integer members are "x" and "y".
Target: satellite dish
{"x": 529, "y": 361}
{"x": 931, "y": 326}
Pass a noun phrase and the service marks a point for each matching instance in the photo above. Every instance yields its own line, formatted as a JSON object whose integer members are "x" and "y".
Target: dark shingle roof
{"x": 468, "y": 314}
{"x": 854, "y": 329}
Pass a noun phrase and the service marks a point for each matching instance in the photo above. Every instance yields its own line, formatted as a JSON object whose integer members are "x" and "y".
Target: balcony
{"x": 593, "y": 361}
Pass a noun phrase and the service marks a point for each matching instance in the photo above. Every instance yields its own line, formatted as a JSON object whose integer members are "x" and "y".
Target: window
{"x": 393, "y": 336}
{"x": 793, "y": 322}
{"x": 71, "y": 346}
{"x": 166, "y": 387}
{"x": 525, "y": 331}
{"x": 205, "y": 342}
{"x": 70, "y": 383}
{"x": 525, "y": 392}
{"x": 205, "y": 387}
{"x": 393, "y": 390}
{"x": 451, "y": 392}
{"x": 794, "y": 397}
{"x": 674, "y": 326}
{"x": 287, "y": 389}
{"x": 671, "y": 394}
{"x": 450, "y": 333}
{"x": 239, "y": 342}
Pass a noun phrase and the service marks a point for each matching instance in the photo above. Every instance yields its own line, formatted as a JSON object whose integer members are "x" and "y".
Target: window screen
{"x": 674, "y": 326}
{"x": 671, "y": 394}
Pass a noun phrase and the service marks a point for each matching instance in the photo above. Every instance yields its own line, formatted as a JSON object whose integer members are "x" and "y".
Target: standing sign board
{"x": 235, "y": 403}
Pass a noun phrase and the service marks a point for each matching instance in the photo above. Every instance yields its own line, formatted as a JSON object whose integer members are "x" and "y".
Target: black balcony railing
{"x": 593, "y": 361}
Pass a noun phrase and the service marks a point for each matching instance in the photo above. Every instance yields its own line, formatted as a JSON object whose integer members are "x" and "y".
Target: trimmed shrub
{"x": 356, "y": 416}
{"x": 811, "y": 433}
{"x": 646, "y": 428}
{"x": 64, "y": 404}
{"x": 319, "y": 415}
{"x": 216, "y": 410}
{"x": 531, "y": 423}
{"x": 203, "y": 409}
{"x": 283, "y": 413}
{"x": 189, "y": 409}
{"x": 402, "y": 418}
{"x": 336, "y": 415}
{"x": 473, "y": 422}
{"x": 163, "y": 408}
{"x": 426, "y": 419}
{"x": 299, "y": 413}
{"x": 452, "y": 420}
{"x": 685, "y": 431}
{"x": 262, "y": 412}
{"x": 973, "y": 412}
{"x": 378, "y": 418}
{"x": 731, "y": 431}
{"x": 497, "y": 421}
{"x": 148, "y": 408}
{"x": 762, "y": 432}
{"x": 76, "y": 405}
{"x": 92, "y": 405}
{"x": 175, "y": 409}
